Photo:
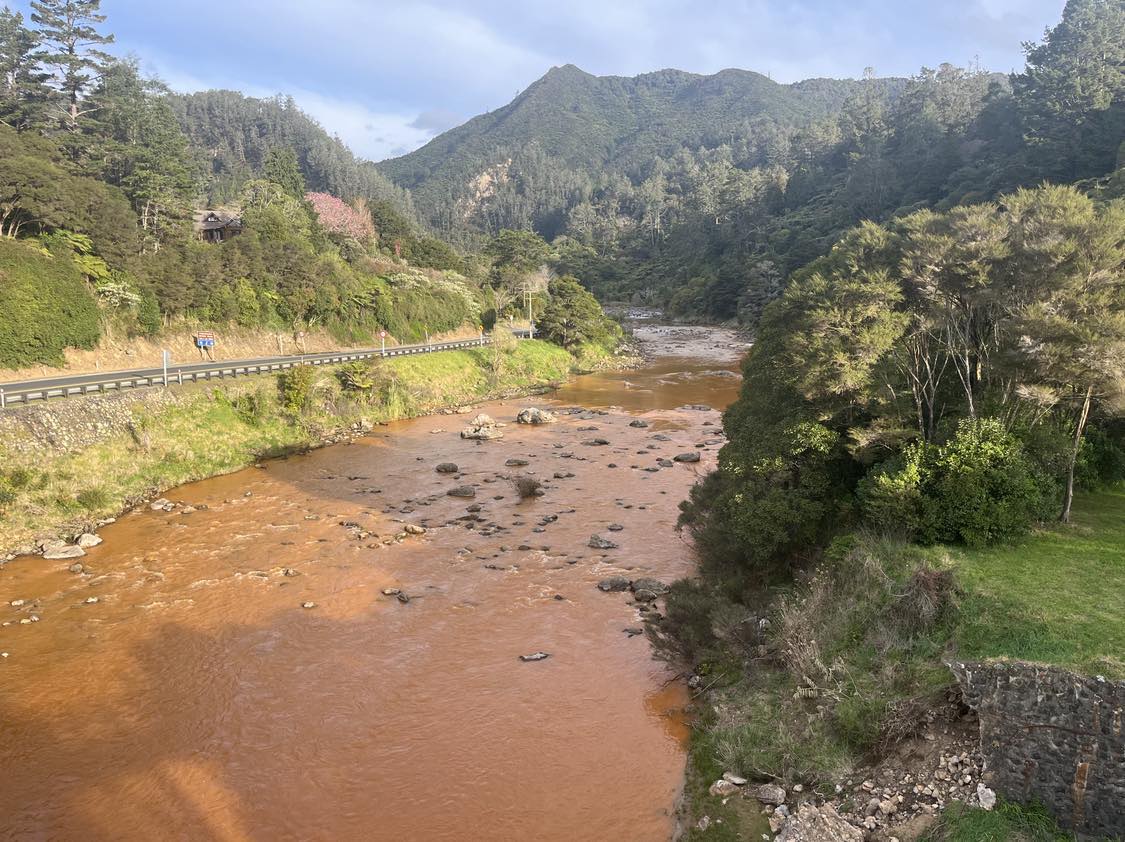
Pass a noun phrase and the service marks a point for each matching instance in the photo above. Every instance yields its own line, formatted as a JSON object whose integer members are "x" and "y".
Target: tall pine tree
{"x": 70, "y": 39}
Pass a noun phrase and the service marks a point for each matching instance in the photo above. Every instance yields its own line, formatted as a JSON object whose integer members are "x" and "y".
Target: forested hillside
{"x": 103, "y": 170}
{"x": 703, "y": 193}
{"x": 231, "y": 136}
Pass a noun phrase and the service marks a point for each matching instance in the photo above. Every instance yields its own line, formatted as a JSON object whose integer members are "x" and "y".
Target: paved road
{"x": 26, "y": 391}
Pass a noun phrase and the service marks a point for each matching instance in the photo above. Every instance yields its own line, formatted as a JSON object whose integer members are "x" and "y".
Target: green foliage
{"x": 573, "y": 316}
{"x": 280, "y": 167}
{"x": 1008, "y": 822}
{"x": 45, "y": 306}
{"x": 978, "y": 489}
{"x": 296, "y": 387}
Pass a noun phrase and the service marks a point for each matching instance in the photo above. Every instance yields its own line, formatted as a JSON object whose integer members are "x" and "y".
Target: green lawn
{"x": 1057, "y": 596}
{"x": 1007, "y": 823}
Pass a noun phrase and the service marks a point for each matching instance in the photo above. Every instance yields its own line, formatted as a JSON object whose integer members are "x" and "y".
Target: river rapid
{"x": 197, "y": 698}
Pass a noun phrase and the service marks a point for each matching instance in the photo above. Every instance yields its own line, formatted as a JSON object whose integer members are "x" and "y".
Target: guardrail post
{"x": 3, "y": 400}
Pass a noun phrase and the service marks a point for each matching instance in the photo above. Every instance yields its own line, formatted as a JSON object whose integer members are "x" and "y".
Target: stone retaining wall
{"x": 73, "y": 424}
{"x": 1052, "y": 736}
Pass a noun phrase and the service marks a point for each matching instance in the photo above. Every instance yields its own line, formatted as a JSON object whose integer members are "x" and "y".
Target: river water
{"x": 198, "y": 699}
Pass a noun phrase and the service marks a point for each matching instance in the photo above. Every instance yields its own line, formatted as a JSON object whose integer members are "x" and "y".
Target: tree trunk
{"x": 1068, "y": 495}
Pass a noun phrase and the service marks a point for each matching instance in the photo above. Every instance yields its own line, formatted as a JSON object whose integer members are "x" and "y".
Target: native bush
{"x": 979, "y": 488}
{"x": 296, "y": 388}
{"x": 45, "y": 306}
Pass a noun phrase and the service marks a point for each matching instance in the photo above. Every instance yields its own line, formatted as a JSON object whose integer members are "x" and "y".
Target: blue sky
{"x": 388, "y": 76}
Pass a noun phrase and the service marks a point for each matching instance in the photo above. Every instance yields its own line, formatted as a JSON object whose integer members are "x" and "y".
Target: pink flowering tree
{"x": 338, "y": 217}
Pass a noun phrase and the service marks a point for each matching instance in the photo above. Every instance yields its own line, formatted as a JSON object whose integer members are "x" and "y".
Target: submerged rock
{"x": 465, "y": 491}
{"x": 614, "y": 584}
{"x": 536, "y": 656}
{"x": 447, "y": 468}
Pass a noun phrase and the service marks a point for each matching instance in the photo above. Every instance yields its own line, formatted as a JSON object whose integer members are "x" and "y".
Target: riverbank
{"x": 69, "y": 466}
{"x": 847, "y": 699}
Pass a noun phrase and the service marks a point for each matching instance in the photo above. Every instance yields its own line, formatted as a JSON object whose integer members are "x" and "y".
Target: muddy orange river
{"x": 198, "y": 699}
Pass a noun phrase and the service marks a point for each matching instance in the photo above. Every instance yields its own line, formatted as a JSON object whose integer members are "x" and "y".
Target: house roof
{"x": 214, "y": 220}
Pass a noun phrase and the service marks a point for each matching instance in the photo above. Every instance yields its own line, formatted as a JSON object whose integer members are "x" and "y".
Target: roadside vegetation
{"x": 208, "y": 431}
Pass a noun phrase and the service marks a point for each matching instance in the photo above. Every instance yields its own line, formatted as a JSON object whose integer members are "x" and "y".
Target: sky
{"x": 388, "y": 76}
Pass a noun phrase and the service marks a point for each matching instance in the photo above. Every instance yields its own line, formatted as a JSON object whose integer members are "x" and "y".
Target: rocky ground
{"x": 896, "y": 799}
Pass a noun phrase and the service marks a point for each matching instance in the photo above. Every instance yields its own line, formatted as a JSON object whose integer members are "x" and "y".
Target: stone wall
{"x": 73, "y": 424}
{"x": 1052, "y": 736}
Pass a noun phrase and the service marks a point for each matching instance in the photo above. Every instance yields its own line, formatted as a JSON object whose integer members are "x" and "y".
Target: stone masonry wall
{"x": 73, "y": 424}
{"x": 1052, "y": 736}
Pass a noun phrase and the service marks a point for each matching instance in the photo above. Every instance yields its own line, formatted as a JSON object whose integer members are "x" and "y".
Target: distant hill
{"x": 585, "y": 127}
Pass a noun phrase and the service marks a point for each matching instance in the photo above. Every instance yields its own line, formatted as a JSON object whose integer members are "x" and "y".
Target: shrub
{"x": 92, "y": 499}
{"x": 978, "y": 489}
{"x": 296, "y": 388}
{"x": 45, "y": 306}
{"x": 252, "y": 407}
{"x": 981, "y": 488}
{"x": 356, "y": 377}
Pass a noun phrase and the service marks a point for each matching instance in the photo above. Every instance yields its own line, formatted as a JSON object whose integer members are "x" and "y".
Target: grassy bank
{"x": 209, "y": 431}
{"x": 857, "y": 655}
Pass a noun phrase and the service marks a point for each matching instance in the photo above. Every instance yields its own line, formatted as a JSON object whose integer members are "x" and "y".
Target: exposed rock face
{"x": 533, "y": 415}
{"x": 818, "y": 824}
{"x": 1052, "y": 736}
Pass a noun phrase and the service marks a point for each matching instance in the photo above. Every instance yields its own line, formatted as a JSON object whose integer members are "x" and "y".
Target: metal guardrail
{"x": 121, "y": 380}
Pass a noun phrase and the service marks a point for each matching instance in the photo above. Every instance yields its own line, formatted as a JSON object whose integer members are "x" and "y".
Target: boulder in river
{"x": 614, "y": 584}
{"x": 87, "y": 540}
{"x": 516, "y": 463}
{"x": 536, "y": 656}
{"x": 639, "y": 423}
{"x": 597, "y": 542}
{"x": 534, "y": 415}
{"x": 644, "y": 595}
{"x": 447, "y": 468}
{"x": 483, "y": 420}
{"x": 59, "y": 550}
{"x": 414, "y": 529}
{"x": 462, "y": 491}
{"x": 595, "y": 442}
{"x": 687, "y": 457}
{"x": 654, "y": 585}
{"x": 482, "y": 433}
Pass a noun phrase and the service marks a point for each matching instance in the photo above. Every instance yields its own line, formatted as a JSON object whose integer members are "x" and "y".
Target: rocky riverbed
{"x": 336, "y": 646}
